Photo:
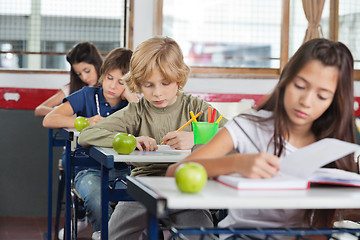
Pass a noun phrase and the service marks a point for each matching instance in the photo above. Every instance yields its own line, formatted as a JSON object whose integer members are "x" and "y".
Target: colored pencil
{"x": 187, "y": 123}
{"x": 217, "y": 121}
{"x": 97, "y": 104}
{"x": 193, "y": 117}
{"x": 209, "y": 114}
{"x": 213, "y": 115}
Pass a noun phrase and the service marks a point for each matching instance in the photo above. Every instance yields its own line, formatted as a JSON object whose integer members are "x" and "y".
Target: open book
{"x": 303, "y": 167}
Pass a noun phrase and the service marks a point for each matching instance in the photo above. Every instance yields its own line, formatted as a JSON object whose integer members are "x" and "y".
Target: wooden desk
{"x": 108, "y": 158}
{"x": 158, "y": 194}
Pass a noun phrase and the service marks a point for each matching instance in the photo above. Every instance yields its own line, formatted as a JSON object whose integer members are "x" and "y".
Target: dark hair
{"x": 119, "y": 58}
{"x": 83, "y": 52}
{"x": 335, "y": 122}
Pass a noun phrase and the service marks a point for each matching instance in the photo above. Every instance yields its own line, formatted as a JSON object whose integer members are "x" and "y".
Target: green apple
{"x": 124, "y": 143}
{"x": 81, "y": 123}
{"x": 190, "y": 177}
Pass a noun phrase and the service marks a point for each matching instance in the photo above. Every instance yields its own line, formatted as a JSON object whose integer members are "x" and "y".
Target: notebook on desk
{"x": 163, "y": 154}
{"x": 303, "y": 167}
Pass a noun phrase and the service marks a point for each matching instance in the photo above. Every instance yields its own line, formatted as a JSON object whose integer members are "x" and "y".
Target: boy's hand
{"x": 179, "y": 140}
{"x": 145, "y": 143}
{"x": 95, "y": 119}
{"x": 129, "y": 96}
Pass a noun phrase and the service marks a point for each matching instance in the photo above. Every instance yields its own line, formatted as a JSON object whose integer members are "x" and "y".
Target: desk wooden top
{"x": 218, "y": 196}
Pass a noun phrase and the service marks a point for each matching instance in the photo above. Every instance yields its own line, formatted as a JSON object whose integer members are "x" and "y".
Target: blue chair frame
{"x": 55, "y": 140}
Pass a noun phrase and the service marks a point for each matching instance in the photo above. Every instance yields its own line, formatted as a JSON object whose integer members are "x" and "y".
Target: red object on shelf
{"x": 24, "y": 98}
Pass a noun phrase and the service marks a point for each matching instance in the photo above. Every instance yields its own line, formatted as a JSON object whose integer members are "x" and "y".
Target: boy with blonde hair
{"x": 158, "y": 71}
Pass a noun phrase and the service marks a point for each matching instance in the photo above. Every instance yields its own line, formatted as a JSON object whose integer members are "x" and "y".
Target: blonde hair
{"x": 118, "y": 58}
{"x": 161, "y": 53}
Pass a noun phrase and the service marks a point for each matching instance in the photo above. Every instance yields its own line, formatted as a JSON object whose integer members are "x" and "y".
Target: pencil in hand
{"x": 193, "y": 117}
{"x": 97, "y": 104}
{"x": 187, "y": 123}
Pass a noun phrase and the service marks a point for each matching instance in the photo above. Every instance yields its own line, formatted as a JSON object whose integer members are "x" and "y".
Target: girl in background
{"x": 85, "y": 61}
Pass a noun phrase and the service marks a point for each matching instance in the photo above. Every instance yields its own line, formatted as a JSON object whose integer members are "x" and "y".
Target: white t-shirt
{"x": 261, "y": 134}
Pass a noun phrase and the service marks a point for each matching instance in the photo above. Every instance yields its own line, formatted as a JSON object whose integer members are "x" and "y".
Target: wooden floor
{"x": 31, "y": 228}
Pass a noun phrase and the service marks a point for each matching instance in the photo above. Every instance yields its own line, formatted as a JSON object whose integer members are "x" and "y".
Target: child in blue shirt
{"x": 112, "y": 96}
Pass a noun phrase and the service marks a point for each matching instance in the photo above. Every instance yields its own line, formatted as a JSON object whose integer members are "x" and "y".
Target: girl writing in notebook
{"x": 312, "y": 100}
{"x": 85, "y": 61}
{"x": 95, "y": 104}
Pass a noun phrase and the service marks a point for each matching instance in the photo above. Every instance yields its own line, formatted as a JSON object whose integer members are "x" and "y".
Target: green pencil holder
{"x": 204, "y": 131}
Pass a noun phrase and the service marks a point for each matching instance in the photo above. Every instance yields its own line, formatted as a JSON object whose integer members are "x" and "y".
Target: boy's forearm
{"x": 102, "y": 133}
{"x": 93, "y": 136}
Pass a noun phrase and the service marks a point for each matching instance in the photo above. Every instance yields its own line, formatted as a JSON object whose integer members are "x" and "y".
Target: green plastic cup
{"x": 204, "y": 131}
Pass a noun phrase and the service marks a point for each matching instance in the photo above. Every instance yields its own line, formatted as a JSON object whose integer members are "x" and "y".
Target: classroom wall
{"x": 24, "y": 164}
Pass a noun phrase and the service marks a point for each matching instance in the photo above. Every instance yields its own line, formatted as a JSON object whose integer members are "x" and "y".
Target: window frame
{"x": 263, "y": 73}
{"x": 128, "y": 40}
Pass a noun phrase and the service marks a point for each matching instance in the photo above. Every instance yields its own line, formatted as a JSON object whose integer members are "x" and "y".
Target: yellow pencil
{"x": 217, "y": 121}
{"x": 193, "y": 117}
{"x": 187, "y": 123}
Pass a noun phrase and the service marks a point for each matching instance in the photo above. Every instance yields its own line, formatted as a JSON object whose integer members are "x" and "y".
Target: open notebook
{"x": 303, "y": 167}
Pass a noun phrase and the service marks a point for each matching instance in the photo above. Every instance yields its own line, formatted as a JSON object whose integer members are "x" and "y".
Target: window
{"x": 36, "y": 34}
{"x": 254, "y": 37}
{"x": 225, "y": 33}
{"x": 349, "y": 27}
{"x": 233, "y": 33}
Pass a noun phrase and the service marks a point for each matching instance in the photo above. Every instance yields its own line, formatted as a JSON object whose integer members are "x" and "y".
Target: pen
{"x": 187, "y": 123}
{"x": 257, "y": 148}
{"x": 97, "y": 104}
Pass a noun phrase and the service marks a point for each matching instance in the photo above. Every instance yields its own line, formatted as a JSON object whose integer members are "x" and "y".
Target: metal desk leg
{"x": 68, "y": 174}
{"x": 153, "y": 227}
{"x": 50, "y": 177}
{"x": 104, "y": 202}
